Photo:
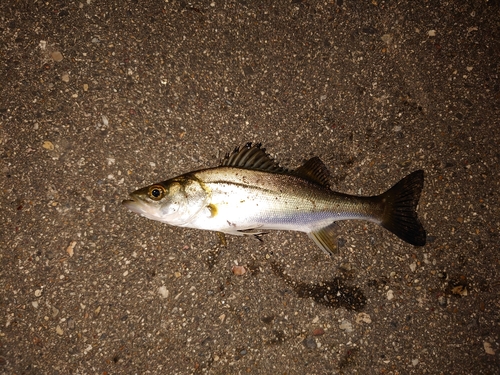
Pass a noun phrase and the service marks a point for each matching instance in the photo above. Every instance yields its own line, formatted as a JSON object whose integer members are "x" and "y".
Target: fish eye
{"x": 156, "y": 192}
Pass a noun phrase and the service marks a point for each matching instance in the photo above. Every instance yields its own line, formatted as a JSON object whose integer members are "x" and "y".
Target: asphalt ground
{"x": 98, "y": 98}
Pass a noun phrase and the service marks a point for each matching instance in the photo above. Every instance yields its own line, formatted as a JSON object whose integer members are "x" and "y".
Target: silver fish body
{"x": 251, "y": 194}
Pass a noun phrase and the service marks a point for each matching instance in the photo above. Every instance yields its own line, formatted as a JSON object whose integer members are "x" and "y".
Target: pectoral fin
{"x": 326, "y": 238}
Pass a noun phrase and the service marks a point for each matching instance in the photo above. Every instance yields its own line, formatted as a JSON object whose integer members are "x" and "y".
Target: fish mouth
{"x": 133, "y": 205}
{"x": 142, "y": 208}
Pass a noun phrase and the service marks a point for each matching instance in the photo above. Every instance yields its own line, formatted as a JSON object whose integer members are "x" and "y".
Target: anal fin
{"x": 326, "y": 238}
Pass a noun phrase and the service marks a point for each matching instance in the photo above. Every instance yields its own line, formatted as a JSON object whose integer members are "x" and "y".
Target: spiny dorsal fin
{"x": 252, "y": 157}
{"x": 315, "y": 171}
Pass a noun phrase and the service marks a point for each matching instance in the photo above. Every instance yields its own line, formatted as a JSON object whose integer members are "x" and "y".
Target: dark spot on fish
{"x": 334, "y": 293}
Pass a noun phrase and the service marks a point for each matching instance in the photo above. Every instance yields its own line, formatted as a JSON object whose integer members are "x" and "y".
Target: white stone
{"x": 163, "y": 291}
{"x": 390, "y": 295}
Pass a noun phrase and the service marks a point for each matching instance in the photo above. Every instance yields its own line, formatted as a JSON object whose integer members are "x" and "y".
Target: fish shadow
{"x": 334, "y": 293}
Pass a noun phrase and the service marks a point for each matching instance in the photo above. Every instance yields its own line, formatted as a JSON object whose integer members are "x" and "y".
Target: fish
{"x": 249, "y": 193}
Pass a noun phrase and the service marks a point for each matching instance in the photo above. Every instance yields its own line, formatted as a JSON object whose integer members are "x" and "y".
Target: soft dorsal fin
{"x": 252, "y": 157}
{"x": 315, "y": 171}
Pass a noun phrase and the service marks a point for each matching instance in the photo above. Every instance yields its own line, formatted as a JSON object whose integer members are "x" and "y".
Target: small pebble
{"x": 59, "y": 330}
{"x": 363, "y": 317}
{"x": 71, "y": 323}
{"x": 318, "y": 332}
{"x": 460, "y": 290}
{"x": 85, "y": 87}
{"x": 48, "y": 145}
{"x": 310, "y": 343}
{"x": 390, "y": 295}
{"x": 71, "y": 248}
{"x": 431, "y": 32}
{"x": 56, "y": 56}
{"x": 239, "y": 270}
{"x": 387, "y": 38}
{"x": 164, "y": 293}
{"x": 65, "y": 77}
{"x": 346, "y": 326}
{"x": 488, "y": 349}
{"x": 38, "y": 293}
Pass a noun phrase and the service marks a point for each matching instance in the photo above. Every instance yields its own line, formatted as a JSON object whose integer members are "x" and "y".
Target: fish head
{"x": 174, "y": 202}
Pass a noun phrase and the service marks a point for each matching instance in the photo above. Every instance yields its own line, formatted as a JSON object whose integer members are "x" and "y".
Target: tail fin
{"x": 400, "y": 204}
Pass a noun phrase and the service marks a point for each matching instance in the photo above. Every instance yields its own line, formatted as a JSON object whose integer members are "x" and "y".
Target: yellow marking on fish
{"x": 213, "y": 209}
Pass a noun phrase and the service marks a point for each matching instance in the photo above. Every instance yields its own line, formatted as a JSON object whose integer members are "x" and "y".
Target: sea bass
{"x": 249, "y": 193}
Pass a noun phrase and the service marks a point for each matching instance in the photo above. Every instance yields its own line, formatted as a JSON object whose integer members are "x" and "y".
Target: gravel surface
{"x": 98, "y": 98}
